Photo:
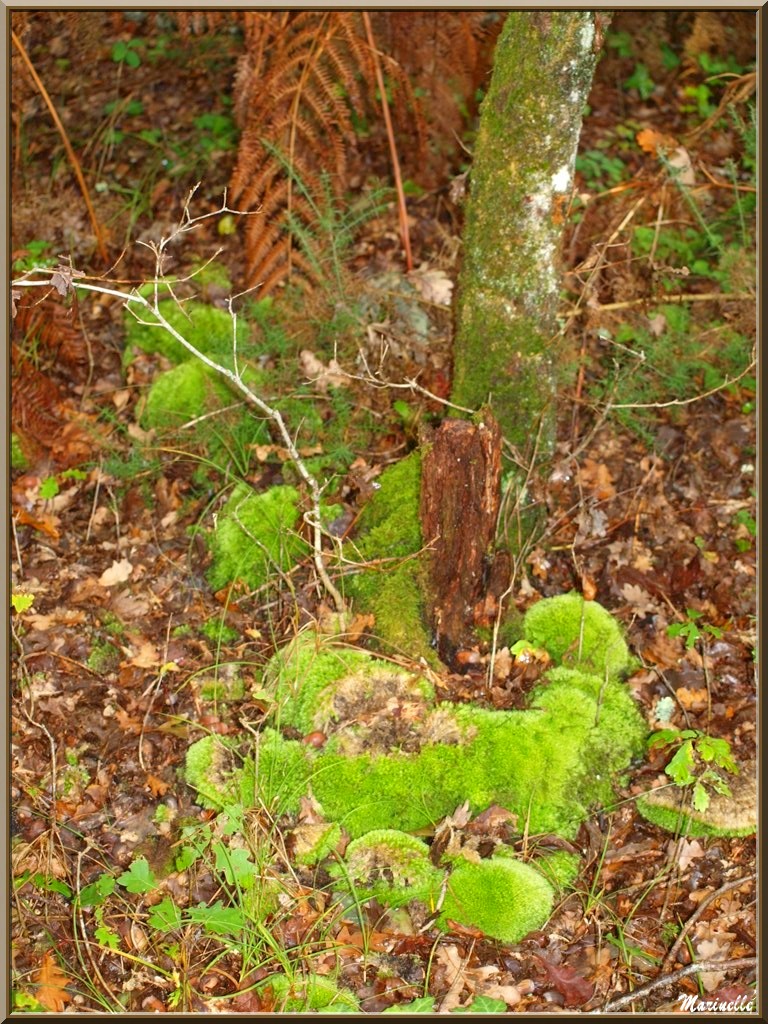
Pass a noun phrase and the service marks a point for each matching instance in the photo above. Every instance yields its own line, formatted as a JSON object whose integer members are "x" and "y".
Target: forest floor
{"x": 648, "y": 507}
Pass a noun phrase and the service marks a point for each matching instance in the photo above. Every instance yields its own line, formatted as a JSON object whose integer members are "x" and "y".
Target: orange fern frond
{"x": 306, "y": 79}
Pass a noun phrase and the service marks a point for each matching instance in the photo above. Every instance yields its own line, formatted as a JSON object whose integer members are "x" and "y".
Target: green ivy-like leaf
{"x": 139, "y": 877}
{"x": 425, "y": 1004}
{"x": 483, "y": 1004}
{"x": 165, "y": 917}
{"x": 93, "y": 895}
{"x": 49, "y": 488}
{"x": 106, "y": 937}
{"x": 218, "y": 919}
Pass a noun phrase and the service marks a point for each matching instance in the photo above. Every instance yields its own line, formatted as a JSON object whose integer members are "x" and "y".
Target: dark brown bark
{"x": 460, "y": 493}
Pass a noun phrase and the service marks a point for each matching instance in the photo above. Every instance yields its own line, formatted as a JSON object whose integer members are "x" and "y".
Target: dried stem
{"x": 97, "y": 228}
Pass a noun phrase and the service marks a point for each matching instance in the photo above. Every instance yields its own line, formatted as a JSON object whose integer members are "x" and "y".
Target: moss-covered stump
{"x": 390, "y": 581}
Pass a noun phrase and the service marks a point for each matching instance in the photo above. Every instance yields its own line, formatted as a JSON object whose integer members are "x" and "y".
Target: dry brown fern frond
{"x": 49, "y": 326}
{"x": 444, "y": 56}
{"x": 307, "y": 77}
{"x": 297, "y": 87}
{"x": 35, "y": 400}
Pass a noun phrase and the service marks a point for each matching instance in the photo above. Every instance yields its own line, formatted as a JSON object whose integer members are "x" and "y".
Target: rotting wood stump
{"x": 460, "y": 495}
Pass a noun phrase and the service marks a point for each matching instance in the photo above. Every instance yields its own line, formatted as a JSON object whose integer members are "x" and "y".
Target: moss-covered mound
{"x": 305, "y": 994}
{"x": 390, "y": 760}
{"x": 579, "y": 634}
{"x": 502, "y": 897}
{"x": 393, "y": 757}
{"x": 182, "y": 394}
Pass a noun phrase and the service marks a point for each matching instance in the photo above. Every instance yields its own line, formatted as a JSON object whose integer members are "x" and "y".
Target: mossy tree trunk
{"x": 507, "y": 347}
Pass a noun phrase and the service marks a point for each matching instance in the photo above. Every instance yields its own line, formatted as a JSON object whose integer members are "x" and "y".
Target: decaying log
{"x": 460, "y": 494}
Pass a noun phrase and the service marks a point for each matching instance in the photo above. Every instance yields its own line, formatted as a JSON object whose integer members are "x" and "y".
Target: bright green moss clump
{"x": 579, "y": 634}
{"x": 221, "y": 777}
{"x": 390, "y": 866}
{"x": 18, "y": 458}
{"x": 207, "y": 328}
{"x": 305, "y": 993}
{"x": 504, "y": 898}
{"x": 182, "y": 394}
{"x": 256, "y": 536}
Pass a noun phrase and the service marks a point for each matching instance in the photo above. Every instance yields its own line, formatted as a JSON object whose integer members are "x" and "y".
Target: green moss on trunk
{"x": 507, "y": 344}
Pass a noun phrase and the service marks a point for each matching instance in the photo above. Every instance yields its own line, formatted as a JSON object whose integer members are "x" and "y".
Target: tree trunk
{"x": 507, "y": 346}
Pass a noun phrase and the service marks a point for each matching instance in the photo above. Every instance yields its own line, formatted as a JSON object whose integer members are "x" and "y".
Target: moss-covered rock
{"x": 504, "y": 898}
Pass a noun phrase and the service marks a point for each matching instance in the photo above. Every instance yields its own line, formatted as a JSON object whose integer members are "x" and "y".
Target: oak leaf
{"x": 51, "y": 982}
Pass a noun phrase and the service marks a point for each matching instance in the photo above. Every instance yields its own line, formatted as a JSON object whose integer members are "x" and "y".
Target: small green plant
{"x": 21, "y": 602}
{"x": 34, "y": 256}
{"x": 104, "y": 658}
{"x": 599, "y": 169}
{"x": 745, "y": 524}
{"x": 124, "y": 51}
{"x": 218, "y": 132}
{"x": 693, "y": 628}
{"x": 641, "y": 80}
{"x": 697, "y": 762}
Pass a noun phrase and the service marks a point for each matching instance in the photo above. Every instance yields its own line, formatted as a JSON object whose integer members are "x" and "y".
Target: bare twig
{"x": 701, "y": 967}
{"x": 669, "y": 959}
{"x": 135, "y": 303}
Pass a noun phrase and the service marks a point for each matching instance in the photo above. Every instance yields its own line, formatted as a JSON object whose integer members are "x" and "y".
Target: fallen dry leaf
{"x": 156, "y": 786}
{"x": 147, "y": 656}
{"x": 322, "y": 376}
{"x": 118, "y": 572}
{"x": 638, "y": 599}
{"x": 574, "y": 989}
{"x": 51, "y": 982}
{"x": 716, "y": 948}
{"x": 691, "y": 698}
{"x": 649, "y": 140}
{"x": 596, "y": 478}
{"x": 49, "y": 525}
{"x": 433, "y": 284}
{"x": 689, "y": 850}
